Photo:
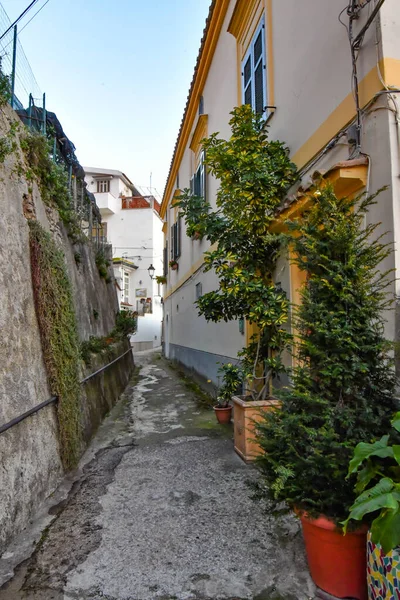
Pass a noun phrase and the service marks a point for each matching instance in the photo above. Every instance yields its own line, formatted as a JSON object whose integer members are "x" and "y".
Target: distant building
{"x": 132, "y": 225}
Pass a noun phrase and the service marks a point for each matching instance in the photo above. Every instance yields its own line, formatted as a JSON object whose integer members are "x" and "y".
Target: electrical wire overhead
{"x": 28, "y": 8}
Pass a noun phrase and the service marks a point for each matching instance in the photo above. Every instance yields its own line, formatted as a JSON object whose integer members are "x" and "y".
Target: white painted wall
{"x": 136, "y": 234}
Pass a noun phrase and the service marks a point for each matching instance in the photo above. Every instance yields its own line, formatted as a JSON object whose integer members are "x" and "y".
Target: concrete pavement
{"x": 161, "y": 509}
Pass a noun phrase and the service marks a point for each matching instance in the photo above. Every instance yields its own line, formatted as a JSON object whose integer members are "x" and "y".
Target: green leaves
{"x": 381, "y": 459}
{"x": 344, "y": 386}
{"x": 254, "y": 175}
{"x": 364, "y": 451}
{"x": 386, "y": 529}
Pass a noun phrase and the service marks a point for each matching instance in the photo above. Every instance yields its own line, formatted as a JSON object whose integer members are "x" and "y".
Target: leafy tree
{"x": 344, "y": 385}
{"x": 254, "y": 175}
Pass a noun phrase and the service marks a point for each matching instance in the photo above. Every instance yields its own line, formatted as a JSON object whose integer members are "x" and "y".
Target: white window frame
{"x": 103, "y": 186}
{"x": 126, "y": 286}
{"x": 250, "y": 54}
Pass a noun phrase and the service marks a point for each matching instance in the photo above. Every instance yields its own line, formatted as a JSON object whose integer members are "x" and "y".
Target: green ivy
{"x": 344, "y": 386}
{"x": 5, "y": 88}
{"x": 56, "y": 317}
{"x": 53, "y": 181}
{"x": 125, "y": 324}
{"x": 102, "y": 264}
{"x": 254, "y": 174}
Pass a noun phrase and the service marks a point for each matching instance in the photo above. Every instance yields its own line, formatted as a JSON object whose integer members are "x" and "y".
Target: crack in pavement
{"x": 72, "y": 535}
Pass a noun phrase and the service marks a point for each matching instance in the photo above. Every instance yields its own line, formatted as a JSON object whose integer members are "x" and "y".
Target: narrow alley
{"x": 161, "y": 510}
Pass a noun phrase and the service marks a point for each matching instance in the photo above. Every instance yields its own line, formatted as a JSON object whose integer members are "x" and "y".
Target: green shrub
{"x": 102, "y": 264}
{"x": 344, "y": 385}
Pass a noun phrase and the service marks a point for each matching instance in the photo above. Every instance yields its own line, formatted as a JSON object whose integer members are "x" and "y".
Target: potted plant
{"x": 223, "y": 408}
{"x": 161, "y": 280}
{"x": 173, "y": 265}
{"x": 343, "y": 387}
{"x": 254, "y": 175}
{"x": 378, "y": 503}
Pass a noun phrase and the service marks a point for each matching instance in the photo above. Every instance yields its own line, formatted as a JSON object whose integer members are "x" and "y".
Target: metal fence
{"x": 30, "y": 104}
{"x": 15, "y": 65}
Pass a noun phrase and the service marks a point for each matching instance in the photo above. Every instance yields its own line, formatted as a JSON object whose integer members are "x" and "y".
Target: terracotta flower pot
{"x": 174, "y": 267}
{"x": 197, "y": 235}
{"x": 246, "y": 415}
{"x": 223, "y": 414}
{"x": 337, "y": 562}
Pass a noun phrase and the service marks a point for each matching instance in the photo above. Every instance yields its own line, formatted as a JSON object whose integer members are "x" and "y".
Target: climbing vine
{"x": 59, "y": 337}
{"x": 53, "y": 181}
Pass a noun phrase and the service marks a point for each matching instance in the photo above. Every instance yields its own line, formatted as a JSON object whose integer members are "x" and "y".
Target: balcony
{"x": 107, "y": 203}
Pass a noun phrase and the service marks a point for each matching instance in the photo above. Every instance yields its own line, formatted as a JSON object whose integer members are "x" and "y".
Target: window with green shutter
{"x": 254, "y": 73}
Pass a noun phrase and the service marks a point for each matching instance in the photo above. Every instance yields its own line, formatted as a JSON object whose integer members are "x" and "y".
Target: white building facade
{"x": 132, "y": 225}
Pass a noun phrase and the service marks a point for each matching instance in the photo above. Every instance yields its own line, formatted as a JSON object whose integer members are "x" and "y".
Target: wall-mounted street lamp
{"x": 151, "y": 271}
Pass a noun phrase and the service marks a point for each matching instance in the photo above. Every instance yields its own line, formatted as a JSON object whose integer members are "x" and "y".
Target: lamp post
{"x": 151, "y": 271}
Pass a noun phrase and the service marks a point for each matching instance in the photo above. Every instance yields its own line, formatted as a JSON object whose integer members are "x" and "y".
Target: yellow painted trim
{"x": 165, "y": 228}
{"x": 345, "y": 180}
{"x": 200, "y": 133}
{"x": 391, "y": 71}
{"x": 210, "y": 43}
{"x": 346, "y": 111}
{"x": 241, "y": 16}
{"x": 195, "y": 267}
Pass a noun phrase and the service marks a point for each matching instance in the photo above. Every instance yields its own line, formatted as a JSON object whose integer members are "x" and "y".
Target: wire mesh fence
{"x": 15, "y": 65}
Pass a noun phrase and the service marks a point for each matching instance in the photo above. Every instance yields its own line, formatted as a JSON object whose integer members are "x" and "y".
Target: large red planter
{"x": 337, "y": 562}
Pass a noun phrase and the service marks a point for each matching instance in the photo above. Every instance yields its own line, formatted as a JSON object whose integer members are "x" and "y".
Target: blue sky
{"x": 117, "y": 74}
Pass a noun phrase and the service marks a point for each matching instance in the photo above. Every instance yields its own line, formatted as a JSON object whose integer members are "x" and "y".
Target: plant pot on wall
{"x": 337, "y": 562}
{"x": 246, "y": 415}
{"x": 173, "y": 265}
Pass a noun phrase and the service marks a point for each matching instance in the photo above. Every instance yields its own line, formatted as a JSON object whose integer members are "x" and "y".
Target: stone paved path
{"x": 162, "y": 510}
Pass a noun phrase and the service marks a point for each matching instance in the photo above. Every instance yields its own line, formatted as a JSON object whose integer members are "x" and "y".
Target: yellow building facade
{"x": 326, "y": 81}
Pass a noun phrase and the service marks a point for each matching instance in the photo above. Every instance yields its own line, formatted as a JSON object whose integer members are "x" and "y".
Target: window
{"x": 125, "y": 292}
{"x": 198, "y": 181}
{"x": 165, "y": 259}
{"x": 254, "y": 73}
{"x": 201, "y": 106}
{"x": 199, "y": 290}
{"x": 176, "y": 236}
{"x": 103, "y": 185}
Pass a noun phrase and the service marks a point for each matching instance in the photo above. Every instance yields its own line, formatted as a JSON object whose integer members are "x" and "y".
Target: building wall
{"x": 187, "y": 337}
{"x": 136, "y": 234}
{"x": 310, "y": 84}
{"x": 30, "y": 464}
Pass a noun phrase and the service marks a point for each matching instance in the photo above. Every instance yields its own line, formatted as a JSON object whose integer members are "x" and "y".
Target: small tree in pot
{"x": 343, "y": 387}
{"x": 254, "y": 175}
